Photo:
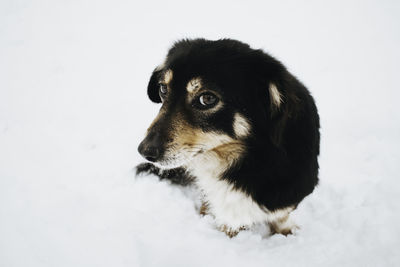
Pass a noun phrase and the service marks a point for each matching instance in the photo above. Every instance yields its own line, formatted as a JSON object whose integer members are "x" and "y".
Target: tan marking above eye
{"x": 195, "y": 88}
{"x": 194, "y": 85}
{"x": 168, "y": 75}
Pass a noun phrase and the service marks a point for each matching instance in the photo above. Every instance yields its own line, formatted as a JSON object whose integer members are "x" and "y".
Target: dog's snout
{"x": 150, "y": 153}
{"x": 151, "y": 148}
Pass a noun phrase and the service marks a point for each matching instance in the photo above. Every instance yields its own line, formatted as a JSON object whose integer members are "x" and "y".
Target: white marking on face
{"x": 241, "y": 126}
{"x": 193, "y": 85}
{"x": 275, "y": 95}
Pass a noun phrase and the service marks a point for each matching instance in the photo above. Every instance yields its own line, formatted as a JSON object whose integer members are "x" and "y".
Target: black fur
{"x": 176, "y": 176}
{"x": 280, "y": 166}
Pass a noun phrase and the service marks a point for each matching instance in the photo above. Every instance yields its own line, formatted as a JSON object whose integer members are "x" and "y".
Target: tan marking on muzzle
{"x": 186, "y": 135}
{"x": 187, "y": 141}
{"x": 218, "y": 145}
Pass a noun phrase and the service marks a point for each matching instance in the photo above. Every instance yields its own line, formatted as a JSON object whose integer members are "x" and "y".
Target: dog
{"x": 238, "y": 125}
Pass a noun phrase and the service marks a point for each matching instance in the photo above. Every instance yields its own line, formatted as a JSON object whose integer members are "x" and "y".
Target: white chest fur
{"x": 229, "y": 206}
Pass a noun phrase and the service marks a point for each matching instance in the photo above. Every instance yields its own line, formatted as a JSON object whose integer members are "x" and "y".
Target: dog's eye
{"x": 208, "y": 100}
{"x": 163, "y": 90}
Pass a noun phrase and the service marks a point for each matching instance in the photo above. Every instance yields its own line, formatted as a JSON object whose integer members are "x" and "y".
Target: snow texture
{"x": 73, "y": 108}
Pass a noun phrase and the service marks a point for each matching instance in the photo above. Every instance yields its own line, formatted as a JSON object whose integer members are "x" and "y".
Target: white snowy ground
{"x": 73, "y": 109}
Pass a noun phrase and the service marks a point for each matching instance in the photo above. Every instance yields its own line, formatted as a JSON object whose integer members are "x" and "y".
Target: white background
{"x": 73, "y": 108}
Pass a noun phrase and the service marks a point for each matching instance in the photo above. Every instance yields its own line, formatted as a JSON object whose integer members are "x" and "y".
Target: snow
{"x": 73, "y": 108}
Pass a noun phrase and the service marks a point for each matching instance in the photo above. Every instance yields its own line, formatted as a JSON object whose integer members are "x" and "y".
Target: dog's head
{"x": 216, "y": 97}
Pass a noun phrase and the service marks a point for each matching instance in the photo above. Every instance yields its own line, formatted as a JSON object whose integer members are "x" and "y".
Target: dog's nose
{"x": 149, "y": 153}
{"x": 150, "y": 149}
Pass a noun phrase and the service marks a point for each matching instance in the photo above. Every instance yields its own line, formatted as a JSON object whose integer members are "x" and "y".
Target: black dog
{"x": 239, "y": 125}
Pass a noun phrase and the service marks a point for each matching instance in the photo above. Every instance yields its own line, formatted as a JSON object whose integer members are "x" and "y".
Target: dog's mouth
{"x": 170, "y": 155}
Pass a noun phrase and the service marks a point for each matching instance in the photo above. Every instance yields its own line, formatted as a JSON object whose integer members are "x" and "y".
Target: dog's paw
{"x": 204, "y": 209}
{"x": 176, "y": 176}
{"x": 231, "y": 232}
{"x": 146, "y": 168}
{"x": 284, "y": 226}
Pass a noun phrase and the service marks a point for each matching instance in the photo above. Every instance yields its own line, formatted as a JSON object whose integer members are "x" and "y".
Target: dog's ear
{"x": 278, "y": 89}
{"x": 153, "y": 86}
